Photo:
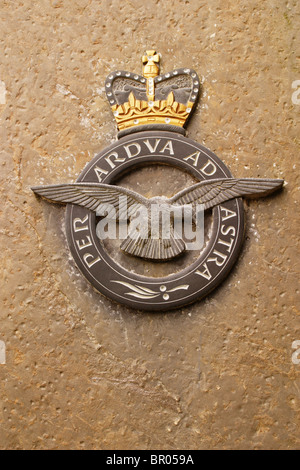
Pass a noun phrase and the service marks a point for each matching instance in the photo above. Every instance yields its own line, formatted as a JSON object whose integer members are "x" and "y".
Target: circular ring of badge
{"x": 194, "y": 281}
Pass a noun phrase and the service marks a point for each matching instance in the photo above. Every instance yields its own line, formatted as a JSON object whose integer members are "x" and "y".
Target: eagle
{"x": 208, "y": 193}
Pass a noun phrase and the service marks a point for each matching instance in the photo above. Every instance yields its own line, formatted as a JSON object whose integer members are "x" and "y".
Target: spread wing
{"x": 213, "y": 192}
{"x": 92, "y": 195}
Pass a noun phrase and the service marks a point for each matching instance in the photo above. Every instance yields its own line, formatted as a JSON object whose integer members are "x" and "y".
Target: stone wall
{"x": 81, "y": 371}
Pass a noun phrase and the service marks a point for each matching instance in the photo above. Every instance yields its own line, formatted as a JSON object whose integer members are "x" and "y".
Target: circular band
{"x": 178, "y": 289}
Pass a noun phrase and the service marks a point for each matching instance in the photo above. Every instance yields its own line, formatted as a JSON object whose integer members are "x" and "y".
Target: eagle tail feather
{"x": 152, "y": 248}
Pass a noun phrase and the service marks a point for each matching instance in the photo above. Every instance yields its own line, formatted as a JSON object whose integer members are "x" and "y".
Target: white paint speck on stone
{"x": 100, "y": 90}
{"x": 63, "y": 90}
{"x": 2, "y": 93}
{"x": 85, "y": 122}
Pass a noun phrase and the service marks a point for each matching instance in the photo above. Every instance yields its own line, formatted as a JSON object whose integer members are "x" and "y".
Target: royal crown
{"x": 151, "y": 99}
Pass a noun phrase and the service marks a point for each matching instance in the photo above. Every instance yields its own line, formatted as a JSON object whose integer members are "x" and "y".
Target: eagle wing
{"x": 213, "y": 192}
{"x": 92, "y": 195}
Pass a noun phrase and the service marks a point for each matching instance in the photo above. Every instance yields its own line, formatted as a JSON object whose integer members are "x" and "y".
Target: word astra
{"x": 223, "y": 247}
{"x": 157, "y": 221}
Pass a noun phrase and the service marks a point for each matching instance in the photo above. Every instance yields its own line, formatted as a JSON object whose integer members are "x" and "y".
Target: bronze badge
{"x": 151, "y": 112}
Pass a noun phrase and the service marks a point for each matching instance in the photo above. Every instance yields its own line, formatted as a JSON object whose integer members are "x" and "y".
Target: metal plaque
{"x": 151, "y": 111}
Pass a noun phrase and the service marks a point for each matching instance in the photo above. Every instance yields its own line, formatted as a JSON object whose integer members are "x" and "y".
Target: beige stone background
{"x": 81, "y": 371}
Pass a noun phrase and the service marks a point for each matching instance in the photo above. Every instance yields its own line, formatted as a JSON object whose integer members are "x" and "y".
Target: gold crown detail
{"x": 152, "y": 98}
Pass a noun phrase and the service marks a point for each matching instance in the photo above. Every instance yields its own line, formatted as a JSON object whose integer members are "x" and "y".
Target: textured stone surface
{"x": 82, "y": 372}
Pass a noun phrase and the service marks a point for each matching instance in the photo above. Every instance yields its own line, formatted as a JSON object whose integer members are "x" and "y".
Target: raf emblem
{"x": 151, "y": 111}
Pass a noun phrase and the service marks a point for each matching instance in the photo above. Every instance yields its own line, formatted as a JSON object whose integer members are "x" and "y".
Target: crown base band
{"x": 151, "y": 127}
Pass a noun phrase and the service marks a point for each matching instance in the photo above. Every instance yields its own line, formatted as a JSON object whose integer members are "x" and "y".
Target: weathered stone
{"x": 81, "y": 371}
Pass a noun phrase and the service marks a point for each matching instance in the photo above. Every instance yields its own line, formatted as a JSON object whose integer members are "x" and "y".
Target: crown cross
{"x": 158, "y": 100}
{"x": 150, "y": 71}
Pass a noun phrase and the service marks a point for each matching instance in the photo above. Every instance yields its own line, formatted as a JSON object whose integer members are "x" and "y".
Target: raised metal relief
{"x": 151, "y": 111}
